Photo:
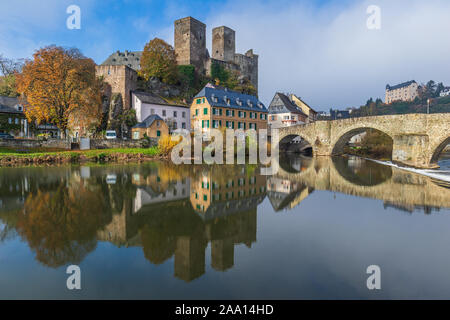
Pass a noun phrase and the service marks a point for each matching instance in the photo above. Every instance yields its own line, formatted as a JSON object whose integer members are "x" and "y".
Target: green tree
{"x": 440, "y": 86}
{"x": 159, "y": 60}
{"x": 218, "y": 72}
{"x": 8, "y": 70}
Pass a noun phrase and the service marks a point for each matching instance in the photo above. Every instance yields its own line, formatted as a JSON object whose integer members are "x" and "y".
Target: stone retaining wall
{"x": 66, "y": 145}
{"x": 117, "y": 143}
{"x": 31, "y": 143}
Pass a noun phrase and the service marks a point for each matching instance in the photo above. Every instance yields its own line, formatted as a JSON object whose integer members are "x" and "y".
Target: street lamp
{"x": 428, "y": 105}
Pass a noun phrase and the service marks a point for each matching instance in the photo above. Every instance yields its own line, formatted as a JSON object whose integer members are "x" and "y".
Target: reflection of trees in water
{"x": 362, "y": 172}
{"x": 61, "y": 225}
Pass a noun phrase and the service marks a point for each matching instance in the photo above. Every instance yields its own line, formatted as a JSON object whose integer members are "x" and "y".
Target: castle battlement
{"x": 190, "y": 47}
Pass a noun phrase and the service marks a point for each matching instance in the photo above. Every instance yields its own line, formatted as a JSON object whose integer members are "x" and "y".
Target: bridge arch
{"x": 344, "y": 137}
{"x": 295, "y": 143}
{"x": 305, "y": 132}
{"x": 436, "y": 150}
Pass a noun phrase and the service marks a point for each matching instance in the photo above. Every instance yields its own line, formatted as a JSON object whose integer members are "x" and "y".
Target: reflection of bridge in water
{"x": 362, "y": 178}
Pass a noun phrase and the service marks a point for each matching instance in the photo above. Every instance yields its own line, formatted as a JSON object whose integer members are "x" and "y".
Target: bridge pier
{"x": 412, "y": 150}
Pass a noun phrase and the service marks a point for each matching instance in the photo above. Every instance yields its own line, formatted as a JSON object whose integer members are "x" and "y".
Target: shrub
{"x": 74, "y": 157}
{"x": 102, "y": 157}
{"x": 165, "y": 144}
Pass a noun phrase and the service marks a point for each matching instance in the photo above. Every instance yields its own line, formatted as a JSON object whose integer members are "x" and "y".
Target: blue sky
{"x": 320, "y": 50}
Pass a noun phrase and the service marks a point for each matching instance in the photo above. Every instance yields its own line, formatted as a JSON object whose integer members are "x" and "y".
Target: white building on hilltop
{"x": 146, "y": 104}
{"x": 445, "y": 92}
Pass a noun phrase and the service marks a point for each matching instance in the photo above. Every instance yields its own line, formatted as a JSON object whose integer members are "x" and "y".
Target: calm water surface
{"x": 157, "y": 231}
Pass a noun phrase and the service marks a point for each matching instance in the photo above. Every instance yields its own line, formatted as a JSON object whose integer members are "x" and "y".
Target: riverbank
{"x": 11, "y": 157}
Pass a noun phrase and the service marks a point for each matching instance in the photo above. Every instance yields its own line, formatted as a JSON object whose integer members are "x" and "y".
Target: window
{"x": 16, "y": 121}
{"x": 205, "y": 197}
{"x": 183, "y": 125}
{"x": 158, "y": 133}
{"x": 199, "y": 101}
{"x": 205, "y": 110}
{"x": 183, "y": 114}
{"x": 196, "y": 112}
{"x": 174, "y": 114}
{"x": 9, "y": 120}
{"x": 152, "y": 111}
{"x": 164, "y": 113}
{"x": 158, "y": 124}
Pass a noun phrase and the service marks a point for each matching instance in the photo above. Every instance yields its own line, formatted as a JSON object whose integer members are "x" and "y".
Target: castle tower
{"x": 190, "y": 43}
{"x": 223, "y": 44}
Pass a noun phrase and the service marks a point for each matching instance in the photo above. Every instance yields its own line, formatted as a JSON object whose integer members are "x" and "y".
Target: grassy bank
{"x": 17, "y": 157}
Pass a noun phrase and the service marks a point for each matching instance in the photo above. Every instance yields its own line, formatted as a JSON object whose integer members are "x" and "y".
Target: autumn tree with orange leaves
{"x": 59, "y": 84}
{"x": 159, "y": 60}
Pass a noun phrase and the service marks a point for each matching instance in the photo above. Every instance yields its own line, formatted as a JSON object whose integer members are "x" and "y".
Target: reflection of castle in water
{"x": 178, "y": 216}
{"x": 176, "y": 212}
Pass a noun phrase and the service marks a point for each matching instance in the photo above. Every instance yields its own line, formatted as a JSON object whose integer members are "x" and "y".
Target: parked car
{"x": 111, "y": 134}
{"x": 6, "y": 136}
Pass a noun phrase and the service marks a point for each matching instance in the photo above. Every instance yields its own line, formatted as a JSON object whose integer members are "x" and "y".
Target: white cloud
{"x": 330, "y": 58}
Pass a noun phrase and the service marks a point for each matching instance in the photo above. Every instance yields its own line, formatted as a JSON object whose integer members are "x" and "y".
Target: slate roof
{"x": 151, "y": 98}
{"x": 288, "y": 104}
{"x": 131, "y": 59}
{"x": 401, "y": 85}
{"x": 148, "y": 121}
{"x": 217, "y": 97}
{"x": 8, "y": 105}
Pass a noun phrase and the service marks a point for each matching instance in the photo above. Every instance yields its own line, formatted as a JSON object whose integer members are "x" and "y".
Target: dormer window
{"x": 19, "y": 108}
{"x": 249, "y": 103}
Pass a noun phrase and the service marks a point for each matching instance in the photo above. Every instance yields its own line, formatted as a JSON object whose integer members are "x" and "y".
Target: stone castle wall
{"x": 121, "y": 79}
{"x": 190, "y": 47}
{"x": 190, "y": 42}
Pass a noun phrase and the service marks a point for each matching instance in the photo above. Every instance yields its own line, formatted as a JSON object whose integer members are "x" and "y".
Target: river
{"x": 159, "y": 231}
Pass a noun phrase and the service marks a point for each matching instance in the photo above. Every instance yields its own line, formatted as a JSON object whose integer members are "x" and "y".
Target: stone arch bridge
{"x": 418, "y": 139}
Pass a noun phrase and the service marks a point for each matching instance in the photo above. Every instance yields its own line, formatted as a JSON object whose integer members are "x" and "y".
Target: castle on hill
{"x": 120, "y": 68}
